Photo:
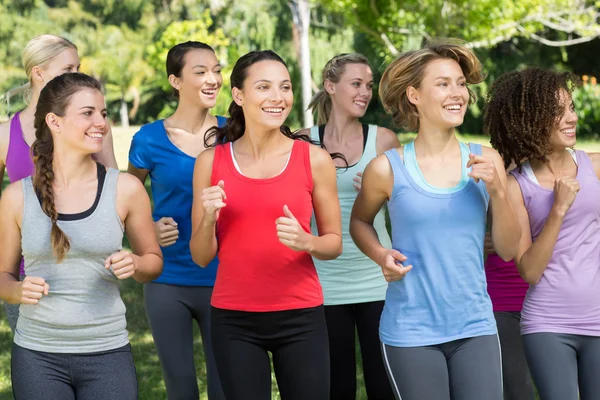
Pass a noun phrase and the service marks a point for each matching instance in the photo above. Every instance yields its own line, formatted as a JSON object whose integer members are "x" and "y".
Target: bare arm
{"x": 139, "y": 173}
{"x": 595, "y": 158}
{"x": 107, "y": 156}
{"x": 4, "y": 137}
{"x": 506, "y": 230}
{"x": 134, "y": 205}
{"x": 205, "y": 210}
{"x": 386, "y": 139}
{"x": 328, "y": 245}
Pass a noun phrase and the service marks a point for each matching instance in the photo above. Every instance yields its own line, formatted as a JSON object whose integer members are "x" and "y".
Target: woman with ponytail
{"x": 254, "y": 193}
{"x": 44, "y": 57}
{"x": 166, "y": 150}
{"x": 353, "y": 285}
{"x": 68, "y": 221}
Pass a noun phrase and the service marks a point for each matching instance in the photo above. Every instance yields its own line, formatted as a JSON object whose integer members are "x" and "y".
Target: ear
{"x": 53, "y": 122}
{"x": 413, "y": 95}
{"x": 36, "y": 74}
{"x": 329, "y": 87}
{"x": 175, "y": 82}
{"x": 237, "y": 96}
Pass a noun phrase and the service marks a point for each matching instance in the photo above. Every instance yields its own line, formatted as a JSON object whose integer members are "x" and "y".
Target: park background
{"x": 124, "y": 44}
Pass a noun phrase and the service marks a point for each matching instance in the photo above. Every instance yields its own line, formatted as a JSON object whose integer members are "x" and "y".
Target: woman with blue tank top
{"x": 438, "y": 333}
{"x": 68, "y": 220}
{"x": 353, "y": 285}
{"x": 167, "y": 150}
{"x": 555, "y": 192}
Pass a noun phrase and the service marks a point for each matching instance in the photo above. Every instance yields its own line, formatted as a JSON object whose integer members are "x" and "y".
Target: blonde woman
{"x": 44, "y": 58}
{"x": 353, "y": 285}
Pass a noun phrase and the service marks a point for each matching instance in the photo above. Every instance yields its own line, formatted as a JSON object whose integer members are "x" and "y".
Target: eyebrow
{"x": 448, "y": 78}
{"x": 204, "y": 66}
{"x": 91, "y": 108}
{"x": 268, "y": 81}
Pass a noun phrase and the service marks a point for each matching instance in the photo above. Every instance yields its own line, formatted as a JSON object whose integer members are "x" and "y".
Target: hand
{"x": 166, "y": 231}
{"x": 565, "y": 190}
{"x": 488, "y": 246}
{"x": 213, "y": 199}
{"x": 32, "y": 289}
{"x": 483, "y": 168}
{"x": 291, "y": 233}
{"x": 391, "y": 266}
{"x": 121, "y": 263}
{"x": 358, "y": 180}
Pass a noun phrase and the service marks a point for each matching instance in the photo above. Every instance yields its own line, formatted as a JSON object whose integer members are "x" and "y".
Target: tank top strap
{"x": 16, "y": 132}
{"x": 300, "y": 158}
{"x": 584, "y": 162}
{"x": 370, "y": 151}
{"x": 475, "y": 148}
{"x": 221, "y": 152}
{"x": 314, "y": 134}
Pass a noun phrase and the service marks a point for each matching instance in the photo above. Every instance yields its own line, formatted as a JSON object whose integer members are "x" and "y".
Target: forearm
{"x": 506, "y": 232}
{"x": 534, "y": 261}
{"x": 148, "y": 267}
{"x": 203, "y": 244}
{"x": 366, "y": 239}
{"x": 9, "y": 288}
{"x": 326, "y": 247}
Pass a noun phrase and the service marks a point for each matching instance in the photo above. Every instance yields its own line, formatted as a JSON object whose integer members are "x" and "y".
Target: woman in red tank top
{"x": 254, "y": 194}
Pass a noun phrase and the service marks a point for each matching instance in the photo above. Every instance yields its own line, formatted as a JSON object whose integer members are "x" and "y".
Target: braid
{"x": 43, "y": 151}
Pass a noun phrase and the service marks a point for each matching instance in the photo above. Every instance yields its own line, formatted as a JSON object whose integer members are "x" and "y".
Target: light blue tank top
{"x": 441, "y": 232}
{"x": 352, "y": 277}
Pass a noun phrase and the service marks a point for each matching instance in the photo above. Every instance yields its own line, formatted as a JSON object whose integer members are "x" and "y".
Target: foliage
{"x": 587, "y": 106}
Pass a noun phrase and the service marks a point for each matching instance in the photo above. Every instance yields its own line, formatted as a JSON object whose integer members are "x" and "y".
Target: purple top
{"x": 19, "y": 164}
{"x": 567, "y": 297}
{"x": 504, "y": 284}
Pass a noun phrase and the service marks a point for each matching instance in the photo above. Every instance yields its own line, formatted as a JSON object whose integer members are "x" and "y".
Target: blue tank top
{"x": 441, "y": 232}
{"x": 171, "y": 174}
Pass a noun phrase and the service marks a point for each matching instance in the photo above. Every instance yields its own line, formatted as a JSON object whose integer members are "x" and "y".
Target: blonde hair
{"x": 408, "y": 70}
{"x": 333, "y": 71}
{"x": 39, "y": 51}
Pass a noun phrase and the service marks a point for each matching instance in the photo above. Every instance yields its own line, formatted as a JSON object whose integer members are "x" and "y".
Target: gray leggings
{"x": 171, "y": 310}
{"x": 465, "y": 369}
{"x": 517, "y": 379}
{"x": 560, "y": 363}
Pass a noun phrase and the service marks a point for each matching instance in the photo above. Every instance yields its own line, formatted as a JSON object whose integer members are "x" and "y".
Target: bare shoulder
{"x": 380, "y": 166}
{"x": 205, "y": 159}
{"x": 595, "y": 159}
{"x": 491, "y": 153}
{"x": 128, "y": 186}
{"x": 319, "y": 157}
{"x": 12, "y": 198}
{"x": 386, "y": 139}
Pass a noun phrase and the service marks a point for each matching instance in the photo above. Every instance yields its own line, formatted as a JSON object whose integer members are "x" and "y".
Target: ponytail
{"x": 321, "y": 104}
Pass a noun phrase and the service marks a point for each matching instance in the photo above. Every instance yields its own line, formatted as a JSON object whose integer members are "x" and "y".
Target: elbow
{"x": 531, "y": 277}
{"x": 199, "y": 257}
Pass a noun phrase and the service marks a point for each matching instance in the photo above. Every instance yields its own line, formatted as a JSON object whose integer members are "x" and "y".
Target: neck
{"x": 71, "y": 167}
{"x": 28, "y": 114}
{"x": 557, "y": 161}
{"x": 189, "y": 117}
{"x": 340, "y": 126}
{"x": 259, "y": 141}
{"x": 435, "y": 141}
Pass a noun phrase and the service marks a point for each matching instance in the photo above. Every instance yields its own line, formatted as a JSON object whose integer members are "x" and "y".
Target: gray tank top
{"x": 83, "y": 311}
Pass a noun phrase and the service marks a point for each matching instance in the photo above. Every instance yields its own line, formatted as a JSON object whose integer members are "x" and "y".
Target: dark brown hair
{"x": 523, "y": 108}
{"x": 55, "y": 98}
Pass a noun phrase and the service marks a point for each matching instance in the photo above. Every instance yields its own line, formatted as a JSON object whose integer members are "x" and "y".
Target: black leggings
{"x": 37, "y": 375}
{"x": 297, "y": 340}
{"x": 171, "y": 310}
{"x": 343, "y": 321}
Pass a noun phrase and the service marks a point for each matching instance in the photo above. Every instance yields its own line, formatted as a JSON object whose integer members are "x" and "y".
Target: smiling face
{"x": 442, "y": 97}
{"x": 200, "y": 78}
{"x": 84, "y": 125}
{"x": 266, "y": 97}
{"x": 564, "y": 133}
{"x": 354, "y": 91}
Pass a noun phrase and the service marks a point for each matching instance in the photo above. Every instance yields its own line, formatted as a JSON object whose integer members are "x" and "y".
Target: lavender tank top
{"x": 567, "y": 297}
{"x": 19, "y": 164}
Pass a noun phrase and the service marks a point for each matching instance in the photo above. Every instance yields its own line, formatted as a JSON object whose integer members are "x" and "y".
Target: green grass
{"x": 151, "y": 385}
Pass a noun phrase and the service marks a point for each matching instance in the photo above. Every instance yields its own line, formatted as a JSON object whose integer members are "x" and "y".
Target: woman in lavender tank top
{"x": 555, "y": 192}
{"x": 44, "y": 58}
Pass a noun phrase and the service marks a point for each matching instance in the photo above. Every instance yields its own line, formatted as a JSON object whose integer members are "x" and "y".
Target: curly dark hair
{"x": 523, "y": 108}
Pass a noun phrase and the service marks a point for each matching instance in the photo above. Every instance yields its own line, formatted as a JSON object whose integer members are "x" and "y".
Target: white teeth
{"x": 569, "y": 131}
{"x": 453, "y": 107}
{"x": 360, "y": 103}
{"x": 95, "y": 135}
{"x": 273, "y": 110}
{"x": 209, "y": 92}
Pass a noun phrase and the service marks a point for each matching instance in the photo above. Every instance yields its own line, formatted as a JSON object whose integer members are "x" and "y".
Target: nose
{"x": 212, "y": 78}
{"x": 100, "y": 121}
{"x": 275, "y": 96}
{"x": 364, "y": 91}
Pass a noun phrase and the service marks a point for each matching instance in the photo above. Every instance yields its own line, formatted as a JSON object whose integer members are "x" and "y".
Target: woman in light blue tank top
{"x": 166, "y": 151}
{"x": 353, "y": 285}
{"x": 67, "y": 220}
{"x": 437, "y": 329}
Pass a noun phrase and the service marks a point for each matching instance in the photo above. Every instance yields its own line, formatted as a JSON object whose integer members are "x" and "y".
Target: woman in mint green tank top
{"x": 353, "y": 285}
{"x": 68, "y": 221}
{"x": 438, "y": 332}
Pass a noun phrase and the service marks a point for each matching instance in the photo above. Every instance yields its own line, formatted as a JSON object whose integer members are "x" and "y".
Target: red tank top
{"x": 257, "y": 272}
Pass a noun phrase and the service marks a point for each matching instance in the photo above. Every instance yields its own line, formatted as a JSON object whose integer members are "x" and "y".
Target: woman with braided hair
{"x": 353, "y": 285}
{"x": 554, "y": 191}
{"x": 68, "y": 221}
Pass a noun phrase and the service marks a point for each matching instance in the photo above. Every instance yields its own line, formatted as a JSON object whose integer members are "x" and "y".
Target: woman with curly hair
{"x": 554, "y": 191}
{"x": 438, "y": 333}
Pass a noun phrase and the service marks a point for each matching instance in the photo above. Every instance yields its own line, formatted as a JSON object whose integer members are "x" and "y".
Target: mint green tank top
{"x": 353, "y": 277}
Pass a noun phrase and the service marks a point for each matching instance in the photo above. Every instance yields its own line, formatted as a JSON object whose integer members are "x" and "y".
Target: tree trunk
{"x": 124, "y": 114}
{"x": 301, "y": 18}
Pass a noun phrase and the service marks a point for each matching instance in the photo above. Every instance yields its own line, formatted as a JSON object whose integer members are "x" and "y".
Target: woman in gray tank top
{"x": 67, "y": 220}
